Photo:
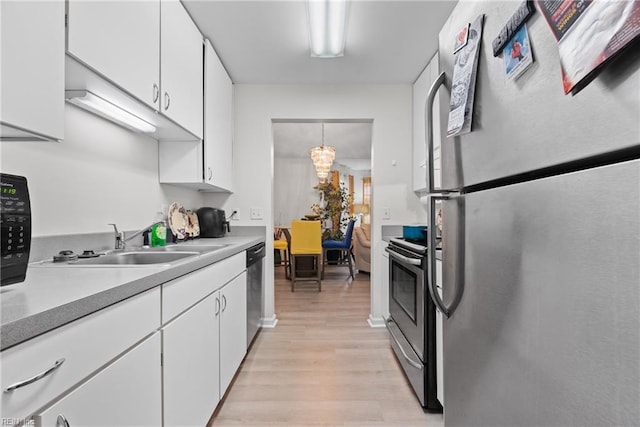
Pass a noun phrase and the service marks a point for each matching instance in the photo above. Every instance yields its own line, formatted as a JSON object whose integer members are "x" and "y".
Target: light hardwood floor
{"x": 322, "y": 364}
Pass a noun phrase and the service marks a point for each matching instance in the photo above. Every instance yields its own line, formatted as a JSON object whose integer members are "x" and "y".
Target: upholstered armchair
{"x": 362, "y": 247}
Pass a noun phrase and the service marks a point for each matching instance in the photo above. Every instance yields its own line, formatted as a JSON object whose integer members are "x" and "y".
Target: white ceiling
{"x": 266, "y": 42}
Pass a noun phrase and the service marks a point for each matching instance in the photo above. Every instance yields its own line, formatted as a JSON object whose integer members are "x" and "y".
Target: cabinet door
{"x": 181, "y": 67}
{"x": 32, "y": 69}
{"x": 121, "y": 41}
{"x": 218, "y": 122}
{"x": 191, "y": 365}
{"x": 126, "y": 393}
{"x": 384, "y": 278}
{"x": 420, "y": 91}
{"x": 233, "y": 328}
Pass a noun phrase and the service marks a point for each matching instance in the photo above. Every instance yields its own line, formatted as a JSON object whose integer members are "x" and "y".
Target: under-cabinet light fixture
{"x": 327, "y": 27}
{"x": 110, "y": 111}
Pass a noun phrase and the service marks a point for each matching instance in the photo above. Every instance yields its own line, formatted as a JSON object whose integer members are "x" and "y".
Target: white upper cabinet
{"x": 121, "y": 41}
{"x": 145, "y": 56}
{"x": 420, "y": 93}
{"x": 32, "y": 70}
{"x": 181, "y": 67}
{"x": 420, "y": 89}
{"x": 218, "y": 122}
{"x": 206, "y": 165}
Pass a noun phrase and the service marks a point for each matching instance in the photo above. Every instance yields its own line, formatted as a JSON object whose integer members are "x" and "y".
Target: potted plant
{"x": 334, "y": 208}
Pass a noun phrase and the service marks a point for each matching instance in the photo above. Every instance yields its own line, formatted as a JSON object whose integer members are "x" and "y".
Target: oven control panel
{"x": 15, "y": 221}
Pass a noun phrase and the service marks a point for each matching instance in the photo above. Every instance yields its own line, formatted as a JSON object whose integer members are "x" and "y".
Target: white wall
{"x": 294, "y": 180}
{"x": 390, "y": 108}
{"x": 100, "y": 174}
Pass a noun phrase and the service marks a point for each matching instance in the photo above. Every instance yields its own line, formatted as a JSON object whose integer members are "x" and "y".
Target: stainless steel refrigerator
{"x": 541, "y": 239}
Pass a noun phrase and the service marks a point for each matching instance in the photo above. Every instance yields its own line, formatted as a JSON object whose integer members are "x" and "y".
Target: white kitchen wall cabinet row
{"x": 146, "y": 56}
{"x": 122, "y": 365}
{"x": 420, "y": 92}
{"x": 32, "y": 70}
{"x": 205, "y": 165}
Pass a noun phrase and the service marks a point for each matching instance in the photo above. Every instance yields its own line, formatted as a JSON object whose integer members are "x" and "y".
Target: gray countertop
{"x": 53, "y": 296}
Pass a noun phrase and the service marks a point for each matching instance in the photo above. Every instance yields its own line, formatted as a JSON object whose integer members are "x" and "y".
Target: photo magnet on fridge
{"x": 517, "y": 54}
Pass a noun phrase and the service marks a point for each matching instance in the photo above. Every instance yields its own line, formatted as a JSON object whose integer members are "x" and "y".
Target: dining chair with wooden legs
{"x": 306, "y": 241}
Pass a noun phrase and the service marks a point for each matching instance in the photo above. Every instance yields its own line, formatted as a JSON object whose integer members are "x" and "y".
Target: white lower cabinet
{"x": 164, "y": 357}
{"x": 384, "y": 276}
{"x": 126, "y": 393}
{"x": 233, "y": 329}
{"x": 439, "y": 338}
{"x": 203, "y": 347}
{"x": 191, "y": 364}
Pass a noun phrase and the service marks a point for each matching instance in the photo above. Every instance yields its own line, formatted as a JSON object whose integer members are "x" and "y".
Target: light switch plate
{"x": 256, "y": 213}
{"x": 386, "y": 213}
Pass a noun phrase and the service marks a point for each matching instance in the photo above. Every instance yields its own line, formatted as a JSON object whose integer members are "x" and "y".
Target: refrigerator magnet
{"x": 517, "y": 54}
{"x": 461, "y": 39}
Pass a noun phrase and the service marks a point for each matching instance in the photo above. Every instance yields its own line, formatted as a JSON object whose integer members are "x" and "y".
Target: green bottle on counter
{"x": 158, "y": 235}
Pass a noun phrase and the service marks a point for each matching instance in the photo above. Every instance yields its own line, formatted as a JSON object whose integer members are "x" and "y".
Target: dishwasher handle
{"x": 255, "y": 253}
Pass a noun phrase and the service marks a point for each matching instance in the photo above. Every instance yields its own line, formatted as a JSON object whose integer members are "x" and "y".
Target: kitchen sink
{"x": 135, "y": 258}
{"x": 144, "y": 256}
{"x": 183, "y": 248}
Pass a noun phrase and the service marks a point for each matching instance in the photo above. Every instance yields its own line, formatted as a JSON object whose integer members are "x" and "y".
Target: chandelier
{"x": 322, "y": 158}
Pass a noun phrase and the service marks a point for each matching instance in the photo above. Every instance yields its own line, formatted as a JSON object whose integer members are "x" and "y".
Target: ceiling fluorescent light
{"x": 100, "y": 106}
{"x": 327, "y": 27}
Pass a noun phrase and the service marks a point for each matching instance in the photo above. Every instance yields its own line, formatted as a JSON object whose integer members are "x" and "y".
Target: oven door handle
{"x": 412, "y": 261}
{"x": 404, "y": 354}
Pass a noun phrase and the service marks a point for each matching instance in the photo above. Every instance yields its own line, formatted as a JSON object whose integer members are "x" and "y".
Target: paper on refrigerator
{"x": 464, "y": 82}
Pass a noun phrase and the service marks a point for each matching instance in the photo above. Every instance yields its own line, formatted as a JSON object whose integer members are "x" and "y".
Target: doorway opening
{"x": 296, "y": 194}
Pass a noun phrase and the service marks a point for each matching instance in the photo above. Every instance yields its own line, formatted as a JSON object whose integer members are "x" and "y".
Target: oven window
{"x": 404, "y": 285}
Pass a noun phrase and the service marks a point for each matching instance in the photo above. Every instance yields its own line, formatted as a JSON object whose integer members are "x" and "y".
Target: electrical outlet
{"x": 256, "y": 213}
{"x": 386, "y": 213}
{"x": 235, "y": 215}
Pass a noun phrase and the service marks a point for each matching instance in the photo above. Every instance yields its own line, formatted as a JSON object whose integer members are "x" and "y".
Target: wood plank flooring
{"x": 322, "y": 365}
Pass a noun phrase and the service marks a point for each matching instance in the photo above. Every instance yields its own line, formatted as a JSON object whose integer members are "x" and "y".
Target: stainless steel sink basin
{"x": 136, "y": 258}
{"x": 133, "y": 257}
{"x": 184, "y": 248}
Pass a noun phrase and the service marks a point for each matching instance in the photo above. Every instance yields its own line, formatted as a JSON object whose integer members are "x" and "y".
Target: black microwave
{"x": 15, "y": 219}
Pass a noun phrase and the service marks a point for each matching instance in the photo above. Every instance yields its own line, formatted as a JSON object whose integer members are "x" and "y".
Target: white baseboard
{"x": 270, "y": 322}
{"x": 376, "y": 322}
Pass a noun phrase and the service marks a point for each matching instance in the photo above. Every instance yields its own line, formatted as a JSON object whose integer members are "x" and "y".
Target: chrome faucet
{"x": 121, "y": 241}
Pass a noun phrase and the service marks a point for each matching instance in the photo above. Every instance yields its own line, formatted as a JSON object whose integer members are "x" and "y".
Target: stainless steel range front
{"x": 412, "y": 319}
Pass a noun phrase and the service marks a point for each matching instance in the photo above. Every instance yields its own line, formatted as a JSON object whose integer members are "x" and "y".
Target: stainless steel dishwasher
{"x": 255, "y": 291}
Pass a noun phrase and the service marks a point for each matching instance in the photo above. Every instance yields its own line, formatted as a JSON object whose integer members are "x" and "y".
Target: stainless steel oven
{"x": 412, "y": 319}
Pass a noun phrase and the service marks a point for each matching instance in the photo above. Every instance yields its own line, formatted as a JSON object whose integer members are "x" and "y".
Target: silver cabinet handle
{"x": 210, "y": 173}
{"x": 224, "y": 303}
{"x": 156, "y": 93}
{"x": 217, "y": 306}
{"x": 412, "y": 261}
{"x": 167, "y": 101}
{"x": 62, "y": 421}
{"x": 35, "y": 378}
{"x": 406, "y": 356}
{"x": 429, "y": 131}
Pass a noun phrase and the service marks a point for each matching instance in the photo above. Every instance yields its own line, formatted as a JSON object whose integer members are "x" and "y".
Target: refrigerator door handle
{"x": 455, "y": 238}
{"x": 429, "y": 131}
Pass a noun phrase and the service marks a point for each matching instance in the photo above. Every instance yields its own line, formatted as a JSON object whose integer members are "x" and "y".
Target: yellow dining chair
{"x": 306, "y": 240}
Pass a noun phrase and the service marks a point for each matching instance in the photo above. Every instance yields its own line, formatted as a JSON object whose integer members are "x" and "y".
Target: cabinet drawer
{"x": 86, "y": 345}
{"x": 182, "y": 293}
{"x": 126, "y": 393}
